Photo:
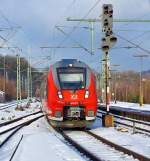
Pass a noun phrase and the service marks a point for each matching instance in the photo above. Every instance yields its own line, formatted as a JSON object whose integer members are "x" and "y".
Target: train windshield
{"x": 71, "y": 78}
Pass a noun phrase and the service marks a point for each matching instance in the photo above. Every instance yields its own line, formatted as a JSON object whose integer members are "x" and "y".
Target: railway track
{"x": 136, "y": 125}
{"x": 16, "y": 148}
{"x": 97, "y": 148}
{"x": 26, "y": 123}
{"x": 8, "y": 105}
{"x": 17, "y": 119}
{"x": 15, "y": 130}
{"x": 14, "y": 124}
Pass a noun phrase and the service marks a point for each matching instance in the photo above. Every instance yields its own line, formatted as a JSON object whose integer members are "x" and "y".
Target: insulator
{"x": 106, "y": 24}
{"x": 105, "y": 7}
{"x": 107, "y": 34}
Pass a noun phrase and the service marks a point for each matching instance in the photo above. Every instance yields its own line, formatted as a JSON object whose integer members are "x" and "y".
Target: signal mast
{"x": 108, "y": 41}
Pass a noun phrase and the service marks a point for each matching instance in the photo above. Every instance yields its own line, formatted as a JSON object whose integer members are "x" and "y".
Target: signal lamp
{"x": 105, "y": 48}
{"x": 106, "y": 24}
{"x": 113, "y": 39}
{"x": 105, "y": 7}
{"x": 107, "y": 33}
{"x": 103, "y": 39}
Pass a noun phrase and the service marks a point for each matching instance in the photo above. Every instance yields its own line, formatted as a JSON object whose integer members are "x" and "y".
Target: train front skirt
{"x": 72, "y": 123}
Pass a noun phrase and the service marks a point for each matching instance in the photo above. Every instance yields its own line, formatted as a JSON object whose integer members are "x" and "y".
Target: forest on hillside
{"x": 127, "y": 86}
{"x": 8, "y": 76}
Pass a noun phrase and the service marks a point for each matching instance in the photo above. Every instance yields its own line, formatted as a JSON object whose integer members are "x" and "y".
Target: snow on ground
{"x": 7, "y": 103}
{"x": 2, "y": 104}
{"x": 130, "y": 106}
{"x": 11, "y": 112}
{"x": 6, "y": 152}
{"x": 132, "y": 123}
{"x": 135, "y": 106}
{"x": 4, "y": 136}
{"x": 40, "y": 144}
{"x": 12, "y": 125}
{"x": 136, "y": 142}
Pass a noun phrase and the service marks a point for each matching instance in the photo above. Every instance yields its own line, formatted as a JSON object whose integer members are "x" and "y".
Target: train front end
{"x": 71, "y": 95}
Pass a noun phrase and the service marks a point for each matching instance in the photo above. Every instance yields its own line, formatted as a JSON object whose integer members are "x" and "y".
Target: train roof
{"x": 70, "y": 63}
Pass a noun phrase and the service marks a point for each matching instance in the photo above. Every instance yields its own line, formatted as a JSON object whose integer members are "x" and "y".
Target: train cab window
{"x": 71, "y": 78}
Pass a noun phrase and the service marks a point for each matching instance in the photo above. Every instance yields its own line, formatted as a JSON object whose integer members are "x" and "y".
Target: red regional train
{"x": 69, "y": 95}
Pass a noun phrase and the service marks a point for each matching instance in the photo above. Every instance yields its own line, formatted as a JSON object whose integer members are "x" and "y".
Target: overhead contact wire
{"x": 76, "y": 26}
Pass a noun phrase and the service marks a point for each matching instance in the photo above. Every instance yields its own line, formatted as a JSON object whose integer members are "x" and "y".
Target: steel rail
{"x": 9, "y": 105}
{"x": 12, "y": 102}
{"x": 18, "y": 128}
{"x": 18, "y": 119}
{"x": 119, "y": 148}
{"x": 138, "y": 128}
{"x": 15, "y": 131}
{"x": 82, "y": 150}
{"x": 12, "y": 156}
{"x": 12, "y": 128}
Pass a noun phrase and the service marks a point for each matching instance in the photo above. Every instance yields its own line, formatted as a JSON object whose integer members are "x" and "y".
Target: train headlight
{"x": 60, "y": 95}
{"x": 86, "y": 94}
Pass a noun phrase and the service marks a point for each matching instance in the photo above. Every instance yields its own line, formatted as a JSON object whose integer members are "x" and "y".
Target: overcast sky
{"x": 38, "y": 18}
